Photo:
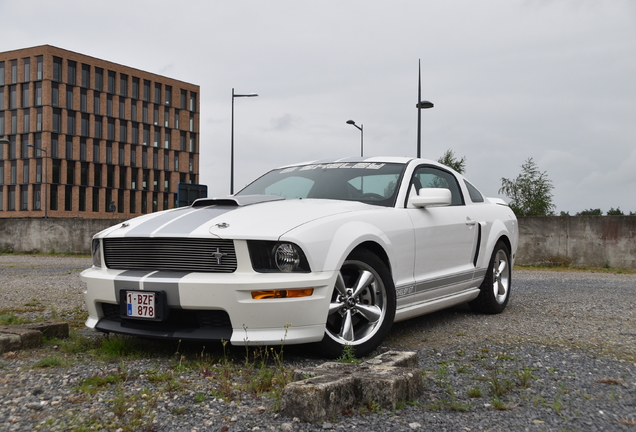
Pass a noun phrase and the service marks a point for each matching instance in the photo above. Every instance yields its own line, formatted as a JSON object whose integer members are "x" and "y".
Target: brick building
{"x": 90, "y": 138}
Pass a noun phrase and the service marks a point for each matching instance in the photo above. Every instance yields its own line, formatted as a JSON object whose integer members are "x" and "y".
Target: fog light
{"x": 269, "y": 294}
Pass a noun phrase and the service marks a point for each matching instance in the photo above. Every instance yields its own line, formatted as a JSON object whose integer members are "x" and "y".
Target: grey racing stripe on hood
{"x": 178, "y": 223}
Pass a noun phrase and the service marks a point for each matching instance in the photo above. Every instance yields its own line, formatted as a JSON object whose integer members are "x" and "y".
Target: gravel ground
{"x": 562, "y": 357}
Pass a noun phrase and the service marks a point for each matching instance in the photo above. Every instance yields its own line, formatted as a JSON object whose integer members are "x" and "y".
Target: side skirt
{"x": 436, "y": 304}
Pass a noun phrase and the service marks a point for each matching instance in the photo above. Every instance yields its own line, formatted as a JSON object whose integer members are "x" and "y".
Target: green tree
{"x": 531, "y": 192}
{"x": 590, "y": 212}
{"x": 451, "y": 161}
{"x": 615, "y": 212}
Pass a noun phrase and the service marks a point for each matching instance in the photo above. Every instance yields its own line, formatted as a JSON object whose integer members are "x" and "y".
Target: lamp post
{"x": 361, "y": 128}
{"x": 232, "y": 144}
{"x": 420, "y": 106}
{"x": 45, "y": 182}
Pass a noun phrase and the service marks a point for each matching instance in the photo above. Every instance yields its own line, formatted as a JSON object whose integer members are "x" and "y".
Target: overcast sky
{"x": 550, "y": 80}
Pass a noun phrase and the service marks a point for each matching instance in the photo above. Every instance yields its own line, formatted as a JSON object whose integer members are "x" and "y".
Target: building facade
{"x": 90, "y": 138}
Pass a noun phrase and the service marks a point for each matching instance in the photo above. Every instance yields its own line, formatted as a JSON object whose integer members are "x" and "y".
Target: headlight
{"x": 96, "y": 251}
{"x": 283, "y": 257}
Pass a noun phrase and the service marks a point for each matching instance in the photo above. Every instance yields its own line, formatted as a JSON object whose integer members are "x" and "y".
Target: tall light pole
{"x": 232, "y": 145}
{"x": 420, "y": 106}
{"x": 361, "y": 127}
{"x": 45, "y": 181}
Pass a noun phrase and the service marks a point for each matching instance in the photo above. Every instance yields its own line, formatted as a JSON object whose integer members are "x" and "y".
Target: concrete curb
{"x": 319, "y": 393}
{"x": 18, "y": 337}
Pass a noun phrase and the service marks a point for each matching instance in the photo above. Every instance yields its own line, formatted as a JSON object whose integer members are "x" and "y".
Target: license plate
{"x": 140, "y": 304}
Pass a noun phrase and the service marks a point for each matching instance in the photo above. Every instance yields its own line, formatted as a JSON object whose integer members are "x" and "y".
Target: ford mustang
{"x": 327, "y": 252}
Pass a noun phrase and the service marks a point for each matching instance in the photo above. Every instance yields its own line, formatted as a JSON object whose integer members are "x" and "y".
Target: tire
{"x": 362, "y": 306}
{"x": 495, "y": 289}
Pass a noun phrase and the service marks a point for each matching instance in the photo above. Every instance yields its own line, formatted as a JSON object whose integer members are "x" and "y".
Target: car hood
{"x": 255, "y": 217}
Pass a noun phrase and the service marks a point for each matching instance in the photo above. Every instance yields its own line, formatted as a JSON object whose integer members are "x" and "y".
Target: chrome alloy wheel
{"x": 501, "y": 276}
{"x": 358, "y": 304}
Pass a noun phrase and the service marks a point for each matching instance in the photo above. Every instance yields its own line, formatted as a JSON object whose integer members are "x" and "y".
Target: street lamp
{"x": 420, "y": 106}
{"x": 45, "y": 182}
{"x": 361, "y": 128}
{"x": 232, "y": 145}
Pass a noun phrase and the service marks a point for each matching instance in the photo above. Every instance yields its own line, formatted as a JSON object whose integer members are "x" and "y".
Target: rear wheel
{"x": 362, "y": 306}
{"x": 495, "y": 289}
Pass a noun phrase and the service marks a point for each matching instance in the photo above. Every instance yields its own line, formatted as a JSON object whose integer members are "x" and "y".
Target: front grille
{"x": 172, "y": 254}
{"x": 177, "y": 318}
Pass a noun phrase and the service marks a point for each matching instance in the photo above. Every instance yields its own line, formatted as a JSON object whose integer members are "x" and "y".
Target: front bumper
{"x": 213, "y": 306}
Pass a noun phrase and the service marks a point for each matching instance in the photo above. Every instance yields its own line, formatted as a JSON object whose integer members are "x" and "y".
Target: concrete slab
{"x": 24, "y": 336}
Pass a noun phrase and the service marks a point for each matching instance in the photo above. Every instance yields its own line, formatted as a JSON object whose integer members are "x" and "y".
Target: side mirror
{"x": 428, "y": 197}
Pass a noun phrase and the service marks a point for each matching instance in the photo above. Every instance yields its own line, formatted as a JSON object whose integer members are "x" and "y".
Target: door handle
{"x": 470, "y": 221}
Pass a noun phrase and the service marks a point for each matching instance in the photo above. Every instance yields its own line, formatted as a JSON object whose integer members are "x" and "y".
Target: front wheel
{"x": 495, "y": 289}
{"x": 362, "y": 306}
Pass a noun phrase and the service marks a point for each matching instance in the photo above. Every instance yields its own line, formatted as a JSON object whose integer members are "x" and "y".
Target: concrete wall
{"x": 28, "y": 235}
{"x": 595, "y": 241}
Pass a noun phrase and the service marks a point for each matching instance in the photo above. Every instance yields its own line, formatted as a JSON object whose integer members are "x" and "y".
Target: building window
{"x": 82, "y": 199}
{"x": 176, "y": 119}
{"x": 69, "y": 147}
{"x": 56, "y": 174}
{"x": 27, "y": 121}
{"x": 110, "y": 176}
{"x": 95, "y": 151}
{"x": 123, "y": 131}
{"x": 147, "y": 90}
{"x": 2, "y": 99}
{"x": 95, "y": 199}
{"x": 144, "y": 113}
{"x": 135, "y": 88}
{"x": 13, "y": 97}
{"x": 133, "y": 111}
{"x": 133, "y": 156}
{"x": 86, "y": 76}
{"x": 68, "y": 198}
{"x": 144, "y": 158}
{"x": 191, "y": 123}
{"x": 192, "y": 144}
{"x": 166, "y": 117}
{"x": 11, "y": 203}
{"x": 96, "y": 102}
{"x": 70, "y": 122}
{"x": 157, "y": 93}
{"x": 110, "y": 134}
{"x": 97, "y": 175}
{"x": 38, "y": 94}
{"x": 176, "y": 161}
{"x": 168, "y": 94}
{"x": 123, "y": 85}
{"x": 122, "y": 177}
{"x": 135, "y": 133}
{"x": 111, "y": 82}
{"x": 69, "y": 97}
{"x": 155, "y": 118}
{"x": 55, "y": 95}
{"x": 2, "y": 79}
{"x": 40, "y": 67}
{"x": 121, "y": 154}
{"x": 57, "y": 69}
{"x": 83, "y": 100}
{"x": 70, "y": 172}
{"x": 72, "y": 72}
{"x": 25, "y": 95}
{"x": 14, "y": 122}
{"x": 109, "y": 153}
{"x": 84, "y": 125}
{"x": 99, "y": 79}
{"x": 54, "y": 145}
{"x": 132, "y": 206}
{"x": 25, "y": 171}
{"x": 57, "y": 120}
{"x": 37, "y": 201}
{"x": 54, "y": 197}
{"x": 109, "y": 105}
{"x": 84, "y": 174}
{"x": 24, "y": 197}
{"x": 38, "y": 120}
{"x": 146, "y": 137}
{"x": 27, "y": 70}
{"x": 83, "y": 148}
{"x": 166, "y": 162}
{"x": 167, "y": 140}
{"x": 14, "y": 71}
{"x": 193, "y": 101}
{"x": 157, "y": 137}
{"x": 98, "y": 127}
{"x": 122, "y": 108}
{"x": 184, "y": 99}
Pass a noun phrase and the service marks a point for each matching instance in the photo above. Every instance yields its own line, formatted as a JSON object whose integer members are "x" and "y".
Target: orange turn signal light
{"x": 293, "y": 293}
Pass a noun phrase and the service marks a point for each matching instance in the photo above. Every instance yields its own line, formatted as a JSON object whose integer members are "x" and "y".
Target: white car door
{"x": 445, "y": 239}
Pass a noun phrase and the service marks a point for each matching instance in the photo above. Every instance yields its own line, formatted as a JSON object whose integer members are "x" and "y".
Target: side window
{"x": 432, "y": 177}
{"x": 475, "y": 195}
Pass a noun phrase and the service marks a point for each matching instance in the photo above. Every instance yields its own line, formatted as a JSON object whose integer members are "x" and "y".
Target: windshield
{"x": 373, "y": 183}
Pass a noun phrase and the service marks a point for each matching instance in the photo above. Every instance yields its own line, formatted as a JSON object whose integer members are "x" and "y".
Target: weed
{"x": 474, "y": 392}
{"x": 524, "y": 377}
{"x": 499, "y": 405}
{"x": 53, "y": 361}
{"x": 348, "y": 355}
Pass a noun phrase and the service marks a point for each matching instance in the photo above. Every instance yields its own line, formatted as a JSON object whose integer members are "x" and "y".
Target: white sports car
{"x": 327, "y": 252}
